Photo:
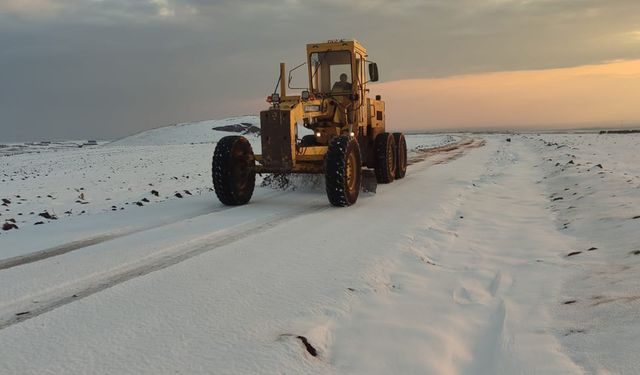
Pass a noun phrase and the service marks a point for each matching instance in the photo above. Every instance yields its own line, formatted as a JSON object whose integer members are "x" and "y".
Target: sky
{"x": 78, "y": 69}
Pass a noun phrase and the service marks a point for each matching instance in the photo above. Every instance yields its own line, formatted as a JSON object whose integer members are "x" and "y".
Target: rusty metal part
{"x": 369, "y": 181}
{"x": 278, "y": 147}
{"x": 299, "y": 167}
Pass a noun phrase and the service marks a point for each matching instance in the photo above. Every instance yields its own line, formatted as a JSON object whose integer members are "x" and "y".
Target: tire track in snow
{"x": 51, "y": 301}
{"x": 85, "y": 288}
{"x": 458, "y": 146}
{"x": 94, "y": 240}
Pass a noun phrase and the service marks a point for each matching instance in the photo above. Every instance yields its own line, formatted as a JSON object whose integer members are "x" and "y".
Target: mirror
{"x": 373, "y": 72}
{"x": 298, "y": 78}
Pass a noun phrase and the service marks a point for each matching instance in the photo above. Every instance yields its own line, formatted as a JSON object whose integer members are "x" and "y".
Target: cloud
{"x": 112, "y": 67}
{"x": 29, "y": 7}
{"x": 591, "y": 95}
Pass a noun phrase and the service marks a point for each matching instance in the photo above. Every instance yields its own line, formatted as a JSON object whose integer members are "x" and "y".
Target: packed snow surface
{"x": 494, "y": 255}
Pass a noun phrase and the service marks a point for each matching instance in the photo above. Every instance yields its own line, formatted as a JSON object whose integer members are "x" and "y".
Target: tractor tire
{"x": 385, "y": 154}
{"x": 233, "y": 170}
{"x": 343, "y": 171}
{"x": 401, "y": 155}
{"x": 308, "y": 140}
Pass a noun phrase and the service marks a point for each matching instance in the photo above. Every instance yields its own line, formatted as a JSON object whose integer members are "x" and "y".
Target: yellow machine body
{"x": 327, "y": 107}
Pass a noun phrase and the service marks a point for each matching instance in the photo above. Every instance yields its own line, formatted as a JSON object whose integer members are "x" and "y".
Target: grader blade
{"x": 369, "y": 182}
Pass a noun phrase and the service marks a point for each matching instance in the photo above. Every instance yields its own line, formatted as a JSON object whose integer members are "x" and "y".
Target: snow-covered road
{"x": 460, "y": 268}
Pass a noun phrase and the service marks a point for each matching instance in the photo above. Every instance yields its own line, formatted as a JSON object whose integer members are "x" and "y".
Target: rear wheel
{"x": 401, "y": 155}
{"x": 343, "y": 171}
{"x": 233, "y": 170}
{"x": 385, "y": 153}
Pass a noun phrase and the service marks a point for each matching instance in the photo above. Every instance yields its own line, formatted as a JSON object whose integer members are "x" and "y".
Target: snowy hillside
{"x": 496, "y": 254}
{"x": 188, "y": 133}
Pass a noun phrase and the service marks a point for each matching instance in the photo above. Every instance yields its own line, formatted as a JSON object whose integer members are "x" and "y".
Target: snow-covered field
{"x": 519, "y": 256}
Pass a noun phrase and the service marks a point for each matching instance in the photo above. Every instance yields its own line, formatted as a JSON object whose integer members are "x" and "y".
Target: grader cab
{"x": 347, "y": 131}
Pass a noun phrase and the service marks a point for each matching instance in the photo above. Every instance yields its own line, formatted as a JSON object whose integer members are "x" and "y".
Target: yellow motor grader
{"x": 348, "y": 131}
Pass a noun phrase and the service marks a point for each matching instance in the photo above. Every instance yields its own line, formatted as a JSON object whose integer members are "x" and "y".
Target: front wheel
{"x": 233, "y": 170}
{"x": 343, "y": 171}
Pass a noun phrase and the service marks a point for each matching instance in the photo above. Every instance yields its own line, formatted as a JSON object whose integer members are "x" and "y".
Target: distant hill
{"x": 209, "y": 131}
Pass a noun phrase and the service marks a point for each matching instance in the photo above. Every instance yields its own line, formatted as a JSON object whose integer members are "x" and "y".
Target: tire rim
{"x": 240, "y": 167}
{"x": 391, "y": 158}
{"x": 351, "y": 171}
{"x": 402, "y": 154}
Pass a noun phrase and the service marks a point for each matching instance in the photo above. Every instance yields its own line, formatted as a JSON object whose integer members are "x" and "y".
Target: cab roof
{"x": 337, "y": 45}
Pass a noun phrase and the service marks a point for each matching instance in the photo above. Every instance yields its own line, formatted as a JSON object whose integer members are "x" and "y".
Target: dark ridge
{"x": 47, "y": 215}
{"x": 242, "y": 128}
{"x": 572, "y": 331}
{"x": 308, "y": 346}
{"x": 620, "y": 131}
{"x": 574, "y": 253}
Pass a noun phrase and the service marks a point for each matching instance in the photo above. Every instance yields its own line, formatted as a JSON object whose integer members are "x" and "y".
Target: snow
{"x": 595, "y": 199}
{"x": 461, "y": 267}
{"x": 187, "y": 133}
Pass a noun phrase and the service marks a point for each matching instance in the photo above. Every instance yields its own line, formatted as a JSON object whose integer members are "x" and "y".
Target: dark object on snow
{"x": 145, "y": 200}
{"x": 139, "y": 204}
{"x": 38, "y": 223}
{"x": 598, "y": 165}
{"x": 625, "y": 131}
{"x": 557, "y": 199}
{"x": 9, "y": 226}
{"x": 308, "y": 346}
{"x": 155, "y": 192}
{"x": 570, "y": 302}
{"x": 187, "y": 192}
{"x": 592, "y": 248}
{"x": 635, "y": 252}
{"x": 241, "y": 128}
{"x": 574, "y": 253}
{"x": 47, "y": 215}
{"x": 508, "y": 139}
{"x": 178, "y": 195}
{"x": 6, "y": 201}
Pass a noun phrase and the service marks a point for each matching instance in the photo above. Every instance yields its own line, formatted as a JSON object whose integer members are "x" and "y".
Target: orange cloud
{"x": 588, "y": 95}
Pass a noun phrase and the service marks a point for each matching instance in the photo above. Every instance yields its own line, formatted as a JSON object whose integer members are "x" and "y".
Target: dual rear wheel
{"x": 390, "y": 156}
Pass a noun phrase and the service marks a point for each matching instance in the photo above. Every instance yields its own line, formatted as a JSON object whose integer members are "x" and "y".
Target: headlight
{"x": 312, "y": 108}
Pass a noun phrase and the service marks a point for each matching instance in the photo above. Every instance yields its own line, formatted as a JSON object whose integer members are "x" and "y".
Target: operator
{"x": 343, "y": 85}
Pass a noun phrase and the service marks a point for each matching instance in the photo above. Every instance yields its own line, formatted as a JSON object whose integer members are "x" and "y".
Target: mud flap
{"x": 369, "y": 182}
